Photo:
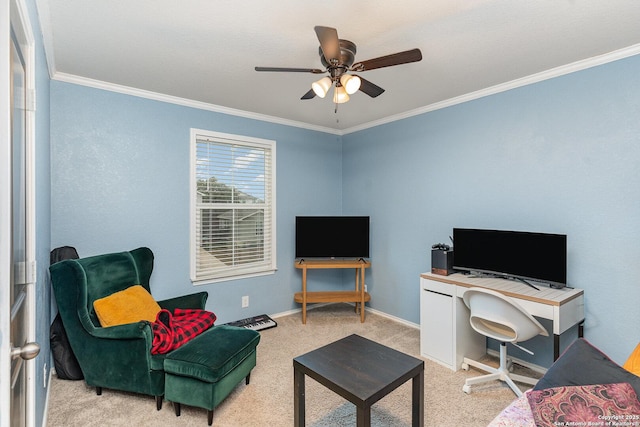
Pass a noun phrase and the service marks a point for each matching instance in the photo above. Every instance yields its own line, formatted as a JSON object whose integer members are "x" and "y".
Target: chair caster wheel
{"x": 465, "y": 366}
{"x": 466, "y": 388}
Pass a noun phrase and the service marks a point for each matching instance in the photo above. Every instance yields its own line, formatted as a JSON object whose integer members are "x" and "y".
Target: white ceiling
{"x": 205, "y": 51}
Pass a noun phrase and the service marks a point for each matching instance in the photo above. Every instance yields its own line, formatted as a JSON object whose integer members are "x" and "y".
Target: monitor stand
{"x": 500, "y": 276}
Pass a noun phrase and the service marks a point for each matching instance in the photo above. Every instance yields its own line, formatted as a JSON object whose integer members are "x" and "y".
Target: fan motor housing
{"x": 347, "y": 55}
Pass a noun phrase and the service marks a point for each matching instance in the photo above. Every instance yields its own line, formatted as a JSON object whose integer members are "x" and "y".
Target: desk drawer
{"x": 439, "y": 287}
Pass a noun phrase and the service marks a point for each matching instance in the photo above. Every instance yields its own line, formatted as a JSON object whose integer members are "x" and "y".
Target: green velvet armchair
{"x": 117, "y": 357}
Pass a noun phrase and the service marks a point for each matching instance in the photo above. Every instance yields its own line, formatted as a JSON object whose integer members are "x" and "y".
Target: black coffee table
{"x": 363, "y": 372}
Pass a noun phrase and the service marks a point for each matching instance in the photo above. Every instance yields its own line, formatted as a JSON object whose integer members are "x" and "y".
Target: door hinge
{"x": 31, "y": 100}
{"x": 31, "y": 272}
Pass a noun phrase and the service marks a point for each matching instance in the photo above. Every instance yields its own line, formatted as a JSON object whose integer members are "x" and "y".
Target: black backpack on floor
{"x": 65, "y": 362}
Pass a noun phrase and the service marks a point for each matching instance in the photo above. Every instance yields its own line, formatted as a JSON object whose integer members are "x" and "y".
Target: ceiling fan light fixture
{"x": 340, "y": 95}
{"x": 322, "y": 86}
{"x": 351, "y": 83}
{"x": 338, "y": 56}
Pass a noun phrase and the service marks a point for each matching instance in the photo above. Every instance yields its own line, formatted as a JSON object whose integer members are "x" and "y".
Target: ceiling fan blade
{"x": 413, "y": 55}
{"x": 309, "y": 94}
{"x": 329, "y": 42}
{"x": 291, "y": 70}
{"x": 369, "y": 88}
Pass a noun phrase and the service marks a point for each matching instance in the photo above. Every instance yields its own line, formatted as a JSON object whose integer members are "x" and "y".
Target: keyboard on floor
{"x": 256, "y": 323}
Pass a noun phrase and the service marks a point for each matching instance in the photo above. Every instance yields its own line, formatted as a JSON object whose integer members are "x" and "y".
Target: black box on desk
{"x": 441, "y": 262}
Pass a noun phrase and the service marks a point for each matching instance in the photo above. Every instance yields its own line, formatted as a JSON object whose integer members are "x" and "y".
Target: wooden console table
{"x": 358, "y": 296}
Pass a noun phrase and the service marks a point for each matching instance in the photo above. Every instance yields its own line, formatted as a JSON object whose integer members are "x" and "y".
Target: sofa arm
{"x": 139, "y": 330}
{"x": 119, "y": 357}
{"x": 197, "y": 300}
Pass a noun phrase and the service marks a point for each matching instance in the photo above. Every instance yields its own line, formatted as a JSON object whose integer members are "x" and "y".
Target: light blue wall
{"x": 560, "y": 156}
{"x": 120, "y": 180}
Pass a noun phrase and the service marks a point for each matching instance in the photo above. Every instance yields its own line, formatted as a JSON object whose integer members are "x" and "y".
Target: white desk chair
{"x": 499, "y": 317}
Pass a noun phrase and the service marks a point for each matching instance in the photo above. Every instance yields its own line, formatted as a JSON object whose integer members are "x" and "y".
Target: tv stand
{"x": 357, "y": 296}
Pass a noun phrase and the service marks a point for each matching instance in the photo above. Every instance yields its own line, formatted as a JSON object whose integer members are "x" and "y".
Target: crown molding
{"x": 503, "y": 87}
{"x": 127, "y": 90}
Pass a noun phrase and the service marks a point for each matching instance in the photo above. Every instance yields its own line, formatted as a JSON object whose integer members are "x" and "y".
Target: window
{"x": 232, "y": 206}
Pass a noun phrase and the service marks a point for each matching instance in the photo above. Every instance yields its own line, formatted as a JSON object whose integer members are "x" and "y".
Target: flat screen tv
{"x": 332, "y": 237}
{"x": 517, "y": 255}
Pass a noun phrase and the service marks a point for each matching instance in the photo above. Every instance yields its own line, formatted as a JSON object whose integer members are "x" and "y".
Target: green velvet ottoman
{"x": 205, "y": 370}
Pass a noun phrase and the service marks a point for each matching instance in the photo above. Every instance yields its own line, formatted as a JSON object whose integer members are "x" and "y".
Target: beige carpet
{"x": 268, "y": 399}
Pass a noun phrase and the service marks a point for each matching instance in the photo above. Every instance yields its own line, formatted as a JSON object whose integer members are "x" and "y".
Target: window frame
{"x": 199, "y": 278}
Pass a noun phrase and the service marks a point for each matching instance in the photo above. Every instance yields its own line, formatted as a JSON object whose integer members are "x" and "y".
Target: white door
{"x": 18, "y": 266}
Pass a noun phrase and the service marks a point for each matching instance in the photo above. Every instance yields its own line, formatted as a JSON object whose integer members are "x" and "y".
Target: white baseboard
{"x": 46, "y": 400}
{"x": 299, "y": 310}
{"x": 367, "y": 309}
{"x": 394, "y": 318}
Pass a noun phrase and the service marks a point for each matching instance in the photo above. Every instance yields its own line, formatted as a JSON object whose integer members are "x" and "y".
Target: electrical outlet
{"x": 245, "y": 301}
{"x": 365, "y": 287}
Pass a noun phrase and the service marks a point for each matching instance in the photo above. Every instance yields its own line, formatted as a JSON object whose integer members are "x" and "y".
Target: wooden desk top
{"x": 332, "y": 263}
{"x": 511, "y": 288}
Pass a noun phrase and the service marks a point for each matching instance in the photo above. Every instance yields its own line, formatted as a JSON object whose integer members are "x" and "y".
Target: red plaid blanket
{"x": 172, "y": 330}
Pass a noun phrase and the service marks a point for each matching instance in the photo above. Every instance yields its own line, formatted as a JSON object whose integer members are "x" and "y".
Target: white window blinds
{"x": 233, "y": 215}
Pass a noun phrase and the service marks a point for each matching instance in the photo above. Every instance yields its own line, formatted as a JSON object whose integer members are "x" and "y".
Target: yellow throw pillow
{"x": 128, "y": 306}
{"x": 633, "y": 362}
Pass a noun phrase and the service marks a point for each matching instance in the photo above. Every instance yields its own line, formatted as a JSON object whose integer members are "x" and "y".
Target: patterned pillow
{"x": 585, "y": 405}
{"x": 517, "y": 414}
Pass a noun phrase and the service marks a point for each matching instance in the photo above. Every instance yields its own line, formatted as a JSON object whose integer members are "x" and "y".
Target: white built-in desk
{"x": 445, "y": 333}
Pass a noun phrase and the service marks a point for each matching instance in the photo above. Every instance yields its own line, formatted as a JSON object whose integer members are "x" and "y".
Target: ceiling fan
{"x": 338, "y": 56}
